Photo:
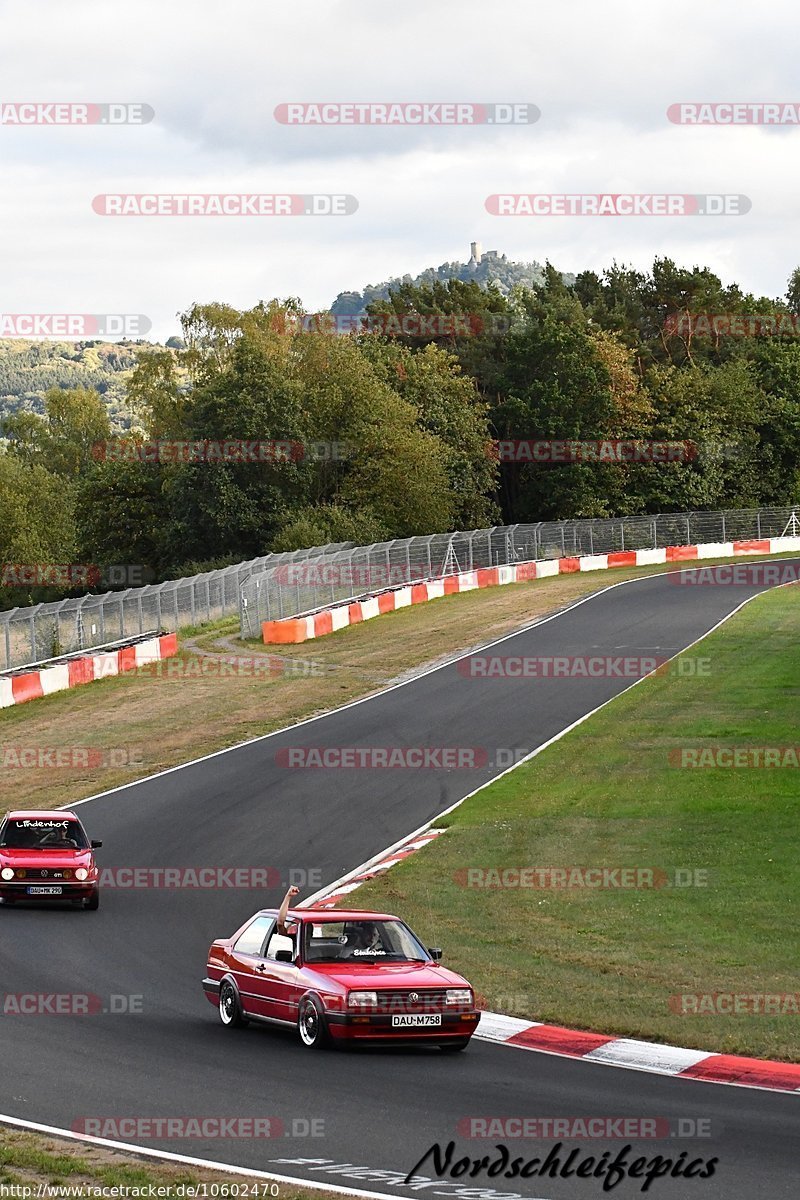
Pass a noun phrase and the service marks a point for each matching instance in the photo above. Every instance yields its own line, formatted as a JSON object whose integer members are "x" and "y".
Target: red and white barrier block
{"x": 32, "y": 685}
{"x": 291, "y": 630}
{"x": 524, "y": 1034}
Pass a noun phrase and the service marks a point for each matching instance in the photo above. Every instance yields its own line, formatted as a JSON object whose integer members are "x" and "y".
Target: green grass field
{"x": 610, "y": 795}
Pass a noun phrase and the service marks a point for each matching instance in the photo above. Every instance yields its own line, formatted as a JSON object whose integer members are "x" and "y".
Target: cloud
{"x": 603, "y": 77}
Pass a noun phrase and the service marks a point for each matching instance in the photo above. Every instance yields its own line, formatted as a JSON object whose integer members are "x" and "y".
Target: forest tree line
{"x": 614, "y": 356}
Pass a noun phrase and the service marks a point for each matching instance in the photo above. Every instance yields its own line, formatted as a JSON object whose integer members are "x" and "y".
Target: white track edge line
{"x": 328, "y": 890}
{"x": 557, "y": 737}
{"x": 430, "y": 671}
{"x": 165, "y": 1155}
{"x": 261, "y": 737}
{"x": 445, "y": 812}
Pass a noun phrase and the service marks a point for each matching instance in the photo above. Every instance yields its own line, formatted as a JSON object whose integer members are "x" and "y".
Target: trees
{"x": 64, "y": 439}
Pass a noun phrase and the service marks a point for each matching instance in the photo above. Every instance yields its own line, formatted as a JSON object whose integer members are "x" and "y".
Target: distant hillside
{"x": 28, "y": 369}
{"x": 486, "y": 267}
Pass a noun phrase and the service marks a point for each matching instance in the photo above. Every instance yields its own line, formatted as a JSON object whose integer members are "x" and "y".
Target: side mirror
{"x": 284, "y": 956}
{"x": 435, "y": 953}
{"x": 96, "y": 845}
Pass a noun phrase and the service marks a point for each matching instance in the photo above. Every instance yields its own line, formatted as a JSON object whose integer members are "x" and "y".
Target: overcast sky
{"x": 603, "y": 77}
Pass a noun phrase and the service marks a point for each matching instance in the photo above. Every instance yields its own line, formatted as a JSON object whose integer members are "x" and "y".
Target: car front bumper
{"x": 70, "y": 890}
{"x": 378, "y": 1026}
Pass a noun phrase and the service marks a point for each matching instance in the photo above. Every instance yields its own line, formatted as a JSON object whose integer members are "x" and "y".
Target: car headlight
{"x": 458, "y": 996}
{"x": 362, "y": 999}
{"x": 7, "y": 873}
{"x": 81, "y": 874}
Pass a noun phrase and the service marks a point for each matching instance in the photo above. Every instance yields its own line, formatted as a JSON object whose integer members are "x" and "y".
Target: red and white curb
{"x": 613, "y": 1051}
{"x": 704, "y": 1065}
{"x": 73, "y": 672}
{"x": 341, "y": 890}
{"x": 292, "y": 630}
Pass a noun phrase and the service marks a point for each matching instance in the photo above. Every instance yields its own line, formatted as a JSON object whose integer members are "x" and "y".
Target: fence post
{"x": 7, "y": 623}
{"x": 724, "y": 539}
{"x": 758, "y": 522}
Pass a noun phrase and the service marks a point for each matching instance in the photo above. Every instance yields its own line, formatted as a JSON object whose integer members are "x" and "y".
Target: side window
{"x": 251, "y": 941}
{"x": 279, "y": 941}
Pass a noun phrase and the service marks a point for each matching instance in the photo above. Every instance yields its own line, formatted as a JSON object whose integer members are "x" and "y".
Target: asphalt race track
{"x": 380, "y": 1109}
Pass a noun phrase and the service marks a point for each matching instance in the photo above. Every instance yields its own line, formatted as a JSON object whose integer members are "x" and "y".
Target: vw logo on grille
{"x": 413, "y": 997}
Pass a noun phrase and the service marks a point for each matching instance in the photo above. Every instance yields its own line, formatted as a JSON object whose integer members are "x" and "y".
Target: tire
{"x": 93, "y": 903}
{"x": 311, "y": 1027}
{"x": 456, "y": 1044}
{"x": 230, "y": 1007}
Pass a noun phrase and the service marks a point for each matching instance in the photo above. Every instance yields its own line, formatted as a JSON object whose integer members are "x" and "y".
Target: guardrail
{"x": 284, "y": 585}
{"x": 43, "y": 631}
{"x": 292, "y": 589}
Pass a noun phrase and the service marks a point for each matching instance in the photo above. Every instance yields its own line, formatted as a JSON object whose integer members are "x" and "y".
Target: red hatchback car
{"x": 47, "y": 856}
{"x": 344, "y": 977}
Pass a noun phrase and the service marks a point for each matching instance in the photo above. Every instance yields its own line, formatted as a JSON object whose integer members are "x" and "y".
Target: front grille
{"x": 46, "y": 874}
{"x": 398, "y": 1001}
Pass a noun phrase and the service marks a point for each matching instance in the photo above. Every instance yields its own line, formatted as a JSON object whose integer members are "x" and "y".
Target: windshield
{"x": 43, "y": 834}
{"x": 371, "y": 941}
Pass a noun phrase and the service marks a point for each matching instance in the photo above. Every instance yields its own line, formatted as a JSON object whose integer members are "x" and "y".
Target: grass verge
{"x": 32, "y": 1160}
{"x": 611, "y": 795}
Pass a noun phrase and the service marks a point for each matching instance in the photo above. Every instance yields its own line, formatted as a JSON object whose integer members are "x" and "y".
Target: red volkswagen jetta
{"x": 47, "y": 856}
{"x": 343, "y": 977}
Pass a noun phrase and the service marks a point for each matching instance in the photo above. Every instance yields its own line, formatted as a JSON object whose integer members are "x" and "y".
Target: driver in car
{"x": 364, "y": 939}
{"x": 59, "y": 838}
